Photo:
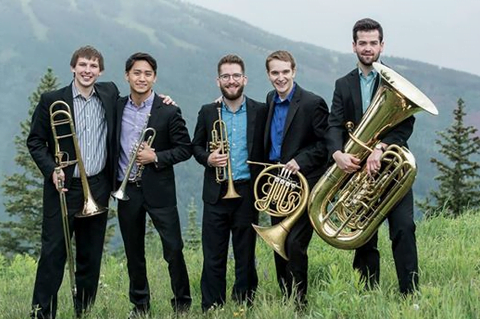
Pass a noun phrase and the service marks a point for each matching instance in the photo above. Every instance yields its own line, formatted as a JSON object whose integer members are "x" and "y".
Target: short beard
{"x": 375, "y": 59}
{"x": 234, "y": 96}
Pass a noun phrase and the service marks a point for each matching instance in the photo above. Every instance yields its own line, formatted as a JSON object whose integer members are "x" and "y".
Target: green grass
{"x": 449, "y": 258}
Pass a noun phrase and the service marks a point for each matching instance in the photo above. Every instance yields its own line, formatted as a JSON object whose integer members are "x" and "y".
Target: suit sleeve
{"x": 400, "y": 134}
{"x": 336, "y": 122}
{"x": 200, "y": 149}
{"x": 315, "y": 156}
{"x": 181, "y": 149}
{"x": 37, "y": 140}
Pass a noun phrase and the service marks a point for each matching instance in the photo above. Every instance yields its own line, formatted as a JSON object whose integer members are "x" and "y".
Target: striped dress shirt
{"x": 91, "y": 130}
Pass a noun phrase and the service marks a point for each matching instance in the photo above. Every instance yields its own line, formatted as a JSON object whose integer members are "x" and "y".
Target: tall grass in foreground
{"x": 449, "y": 253}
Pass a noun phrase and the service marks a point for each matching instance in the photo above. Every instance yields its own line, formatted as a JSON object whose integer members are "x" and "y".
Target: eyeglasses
{"x": 235, "y": 76}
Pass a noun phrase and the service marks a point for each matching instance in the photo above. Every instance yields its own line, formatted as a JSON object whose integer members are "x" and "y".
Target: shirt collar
{"x": 241, "y": 108}
{"x": 289, "y": 96}
{"x": 147, "y": 102}
{"x": 372, "y": 73}
{"x": 76, "y": 93}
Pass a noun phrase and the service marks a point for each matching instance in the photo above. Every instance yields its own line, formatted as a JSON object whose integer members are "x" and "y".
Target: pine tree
{"x": 459, "y": 180}
{"x": 192, "y": 236}
{"x": 23, "y": 190}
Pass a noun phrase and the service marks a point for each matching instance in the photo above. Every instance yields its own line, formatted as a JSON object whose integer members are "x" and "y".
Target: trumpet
{"x": 120, "y": 193}
{"x": 220, "y": 140}
{"x": 62, "y": 117}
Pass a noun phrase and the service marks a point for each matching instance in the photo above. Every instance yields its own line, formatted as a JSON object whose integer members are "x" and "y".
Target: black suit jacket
{"x": 256, "y": 114}
{"x": 172, "y": 145}
{"x": 347, "y": 106}
{"x": 304, "y": 132}
{"x": 40, "y": 141}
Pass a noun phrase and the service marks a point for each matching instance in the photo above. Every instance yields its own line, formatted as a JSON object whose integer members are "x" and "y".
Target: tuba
{"x": 60, "y": 118}
{"x": 346, "y": 210}
{"x": 220, "y": 140}
{"x": 279, "y": 194}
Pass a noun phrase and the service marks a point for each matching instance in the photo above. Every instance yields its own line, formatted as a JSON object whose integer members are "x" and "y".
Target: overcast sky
{"x": 440, "y": 32}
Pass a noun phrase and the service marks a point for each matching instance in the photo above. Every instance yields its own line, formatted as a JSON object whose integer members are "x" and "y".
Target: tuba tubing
{"x": 341, "y": 209}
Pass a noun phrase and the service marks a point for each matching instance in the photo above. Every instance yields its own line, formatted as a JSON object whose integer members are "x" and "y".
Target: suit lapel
{"x": 250, "y": 124}
{"x": 120, "y": 108}
{"x": 356, "y": 95}
{"x": 292, "y": 109}
{"x": 68, "y": 98}
{"x": 270, "y": 104}
{"x": 154, "y": 112}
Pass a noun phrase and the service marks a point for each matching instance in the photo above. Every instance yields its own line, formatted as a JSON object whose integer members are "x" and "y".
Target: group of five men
{"x": 294, "y": 128}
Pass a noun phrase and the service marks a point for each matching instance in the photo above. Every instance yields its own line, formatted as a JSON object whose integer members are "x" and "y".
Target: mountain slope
{"x": 188, "y": 42}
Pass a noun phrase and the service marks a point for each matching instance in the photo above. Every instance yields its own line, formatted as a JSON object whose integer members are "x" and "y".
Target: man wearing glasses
{"x": 244, "y": 121}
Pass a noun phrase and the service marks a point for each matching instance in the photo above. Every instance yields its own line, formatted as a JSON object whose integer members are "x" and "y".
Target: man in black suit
{"x": 351, "y": 98}
{"x": 92, "y": 107}
{"x": 294, "y": 136}
{"x": 151, "y": 183}
{"x": 244, "y": 121}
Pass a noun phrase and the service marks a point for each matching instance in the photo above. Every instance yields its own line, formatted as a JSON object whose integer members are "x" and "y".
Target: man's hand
{"x": 292, "y": 166}
{"x": 58, "y": 178}
{"x": 346, "y": 162}
{"x": 216, "y": 159}
{"x": 167, "y": 99}
{"x": 145, "y": 155}
{"x": 373, "y": 160}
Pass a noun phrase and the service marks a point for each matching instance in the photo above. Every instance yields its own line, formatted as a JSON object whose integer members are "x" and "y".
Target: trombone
{"x": 63, "y": 117}
{"x": 120, "y": 193}
{"x": 66, "y": 233}
{"x": 220, "y": 140}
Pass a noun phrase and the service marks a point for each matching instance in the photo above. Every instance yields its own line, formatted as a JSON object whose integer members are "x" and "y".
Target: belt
{"x": 89, "y": 178}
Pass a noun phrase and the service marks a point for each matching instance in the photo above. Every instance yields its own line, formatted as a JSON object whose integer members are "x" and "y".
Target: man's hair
{"x": 140, "y": 56}
{"x": 231, "y": 59}
{"x": 281, "y": 55}
{"x": 367, "y": 24}
{"x": 88, "y": 52}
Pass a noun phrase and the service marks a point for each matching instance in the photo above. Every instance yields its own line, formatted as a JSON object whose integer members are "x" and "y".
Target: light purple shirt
{"x": 134, "y": 121}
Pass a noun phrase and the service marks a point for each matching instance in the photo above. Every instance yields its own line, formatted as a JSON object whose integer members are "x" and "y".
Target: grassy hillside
{"x": 449, "y": 253}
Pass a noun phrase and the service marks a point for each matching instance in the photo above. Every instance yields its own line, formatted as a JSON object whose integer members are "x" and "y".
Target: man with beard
{"x": 243, "y": 120}
{"x": 351, "y": 98}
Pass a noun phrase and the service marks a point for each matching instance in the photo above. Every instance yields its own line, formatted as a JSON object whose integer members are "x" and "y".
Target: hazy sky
{"x": 439, "y": 32}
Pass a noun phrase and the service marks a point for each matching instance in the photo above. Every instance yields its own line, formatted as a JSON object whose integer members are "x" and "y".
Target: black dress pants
{"x": 89, "y": 239}
{"x": 404, "y": 248}
{"x": 227, "y": 216}
{"x": 292, "y": 275}
{"x": 132, "y": 221}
